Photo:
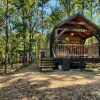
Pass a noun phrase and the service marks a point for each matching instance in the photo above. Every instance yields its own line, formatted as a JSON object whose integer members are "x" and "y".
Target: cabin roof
{"x": 79, "y": 21}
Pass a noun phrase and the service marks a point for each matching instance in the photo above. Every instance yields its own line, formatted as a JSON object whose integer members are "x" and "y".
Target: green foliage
{"x": 91, "y": 40}
{"x": 25, "y": 65}
{"x": 26, "y": 19}
{"x": 88, "y": 7}
{"x": 87, "y": 69}
{"x": 98, "y": 68}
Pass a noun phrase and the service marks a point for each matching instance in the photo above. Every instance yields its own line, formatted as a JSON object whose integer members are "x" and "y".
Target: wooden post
{"x": 66, "y": 64}
{"x": 51, "y": 44}
{"x": 99, "y": 48}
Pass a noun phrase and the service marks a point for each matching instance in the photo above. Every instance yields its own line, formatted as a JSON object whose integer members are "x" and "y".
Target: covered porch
{"x": 69, "y": 38}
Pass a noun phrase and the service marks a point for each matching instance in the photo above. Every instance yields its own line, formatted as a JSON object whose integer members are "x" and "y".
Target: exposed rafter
{"x": 77, "y": 23}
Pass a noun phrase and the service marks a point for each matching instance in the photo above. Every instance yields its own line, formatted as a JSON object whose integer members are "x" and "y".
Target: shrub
{"x": 25, "y": 65}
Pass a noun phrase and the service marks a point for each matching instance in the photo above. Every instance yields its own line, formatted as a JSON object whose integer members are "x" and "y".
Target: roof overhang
{"x": 79, "y": 22}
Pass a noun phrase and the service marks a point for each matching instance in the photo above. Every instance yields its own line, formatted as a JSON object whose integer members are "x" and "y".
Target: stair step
{"x": 47, "y": 69}
{"x": 46, "y": 62}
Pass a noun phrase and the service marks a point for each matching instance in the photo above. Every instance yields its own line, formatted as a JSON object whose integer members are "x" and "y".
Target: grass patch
{"x": 87, "y": 69}
{"x": 15, "y": 68}
{"x": 23, "y": 66}
{"x": 98, "y": 67}
{"x": 10, "y": 70}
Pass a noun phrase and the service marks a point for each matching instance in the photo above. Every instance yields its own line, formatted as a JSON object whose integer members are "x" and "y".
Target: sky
{"x": 52, "y": 2}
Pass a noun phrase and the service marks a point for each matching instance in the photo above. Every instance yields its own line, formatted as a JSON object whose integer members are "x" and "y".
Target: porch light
{"x": 72, "y": 34}
{"x": 67, "y": 39}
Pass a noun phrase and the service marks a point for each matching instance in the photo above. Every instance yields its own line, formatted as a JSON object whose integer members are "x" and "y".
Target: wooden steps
{"x": 46, "y": 63}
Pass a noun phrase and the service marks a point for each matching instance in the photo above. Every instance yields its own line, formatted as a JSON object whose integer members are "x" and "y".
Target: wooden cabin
{"x": 66, "y": 43}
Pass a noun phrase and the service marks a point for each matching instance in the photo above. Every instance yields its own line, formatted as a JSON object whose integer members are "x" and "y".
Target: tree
{"x": 7, "y": 33}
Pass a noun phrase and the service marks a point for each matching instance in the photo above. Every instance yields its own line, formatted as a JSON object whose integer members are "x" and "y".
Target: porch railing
{"x": 63, "y": 50}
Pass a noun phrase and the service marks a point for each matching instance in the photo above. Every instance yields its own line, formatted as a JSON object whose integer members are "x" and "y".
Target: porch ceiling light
{"x": 72, "y": 34}
{"x": 67, "y": 38}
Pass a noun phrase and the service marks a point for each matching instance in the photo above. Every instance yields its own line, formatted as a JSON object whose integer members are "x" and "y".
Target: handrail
{"x": 77, "y": 50}
{"x": 79, "y": 44}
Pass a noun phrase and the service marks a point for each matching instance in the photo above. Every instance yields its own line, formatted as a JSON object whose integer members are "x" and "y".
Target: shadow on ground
{"x": 28, "y": 84}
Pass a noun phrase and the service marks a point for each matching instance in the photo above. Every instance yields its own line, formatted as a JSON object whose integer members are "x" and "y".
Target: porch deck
{"x": 65, "y": 54}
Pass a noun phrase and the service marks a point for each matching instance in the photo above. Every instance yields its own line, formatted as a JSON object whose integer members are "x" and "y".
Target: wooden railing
{"x": 63, "y": 50}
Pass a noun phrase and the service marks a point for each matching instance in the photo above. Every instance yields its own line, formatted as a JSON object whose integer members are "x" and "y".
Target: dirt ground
{"x": 30, "y": 84}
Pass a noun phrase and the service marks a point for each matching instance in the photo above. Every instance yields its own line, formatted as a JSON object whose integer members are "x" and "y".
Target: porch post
{"x": 51, "y": 53}
{"x": 99, "y": 48}
{"x": 66, "y": 64}
{"x": 51, "y": 45}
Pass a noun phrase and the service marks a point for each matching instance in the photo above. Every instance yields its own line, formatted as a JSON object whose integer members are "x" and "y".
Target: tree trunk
{"x": 11, "y": 54}
{"x": 69, "y": 8}
{"x": 91, "y": 8}
{"x": 24, "y": 38}
{"x": 6, "y": 49}
{"x": 83, "y": 7}
{"x": 30, "y": 48}
{"x": 30, "y": 44}
{"x": 42, "y": 24}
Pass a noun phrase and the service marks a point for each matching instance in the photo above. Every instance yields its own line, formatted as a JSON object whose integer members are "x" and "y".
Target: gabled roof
{"x": 79, "y": 17}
